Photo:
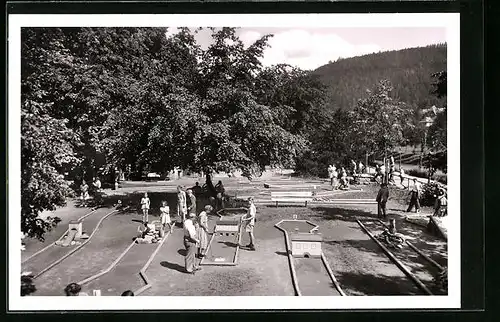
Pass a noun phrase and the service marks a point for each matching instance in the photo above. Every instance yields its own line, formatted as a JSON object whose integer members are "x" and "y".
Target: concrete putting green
{"x": 300, "y": 226}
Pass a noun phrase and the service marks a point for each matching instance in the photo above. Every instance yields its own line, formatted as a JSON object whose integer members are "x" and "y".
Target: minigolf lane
{"x": 313, "y": 278}
{"x": 66, "y": 214}
{"x": 257, "y": 273}
{"x": 114, "y": 235}
{"x": 310, "y": 274}
{"x": 125, "y": 275}
{"x": 43, "y": 260}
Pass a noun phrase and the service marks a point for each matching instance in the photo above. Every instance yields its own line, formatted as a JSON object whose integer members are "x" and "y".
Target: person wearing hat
{"x": 441, "y": 204}
{"x": 190, "y": 242}
{"x": 248, "y": 221}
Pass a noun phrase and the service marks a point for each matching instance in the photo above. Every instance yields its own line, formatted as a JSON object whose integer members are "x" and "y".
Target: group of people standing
{"x": 339, "y": 179}
{"x": 194, "y": 224}
{"x": 440, "y": 205}
{"x": 96, "y": 191}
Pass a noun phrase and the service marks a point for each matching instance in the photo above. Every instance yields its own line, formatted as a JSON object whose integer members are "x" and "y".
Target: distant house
{"x": 306, "y": 244}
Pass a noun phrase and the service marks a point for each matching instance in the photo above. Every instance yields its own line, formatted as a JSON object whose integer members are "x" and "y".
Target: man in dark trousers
{"x": 383, "y": 195}
{"x": 414, "y": 196}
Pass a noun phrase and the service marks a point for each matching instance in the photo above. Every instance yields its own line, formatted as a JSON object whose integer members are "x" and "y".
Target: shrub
{"x": 429, "y": 194}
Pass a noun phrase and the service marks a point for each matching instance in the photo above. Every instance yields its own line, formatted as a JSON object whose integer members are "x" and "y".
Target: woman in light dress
{"x": 202, "y": 230}
{"x": 165, "y": 216}
{"x": 145, "y": 204}
{"x": 181, "y": 206}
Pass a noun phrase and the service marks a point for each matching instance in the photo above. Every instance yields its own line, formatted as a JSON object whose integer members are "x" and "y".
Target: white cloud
{"x": 171, "y": 31}
{"x": 309, "y": 50}
{"x": 249, "y": 37}
{"x": 302, "y": 48}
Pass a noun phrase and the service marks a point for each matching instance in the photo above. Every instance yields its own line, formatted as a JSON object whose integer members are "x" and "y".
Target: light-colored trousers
{"x": 189, "y": 260}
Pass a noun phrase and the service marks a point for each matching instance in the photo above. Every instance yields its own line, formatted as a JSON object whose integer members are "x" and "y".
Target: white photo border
{"x": 450, "y": 21}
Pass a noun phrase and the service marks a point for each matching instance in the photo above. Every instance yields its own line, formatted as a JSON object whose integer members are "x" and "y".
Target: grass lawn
{"x": 357, "y": 262}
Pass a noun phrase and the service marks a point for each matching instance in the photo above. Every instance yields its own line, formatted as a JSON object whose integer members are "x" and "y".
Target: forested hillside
{"x": 409, "y": 71}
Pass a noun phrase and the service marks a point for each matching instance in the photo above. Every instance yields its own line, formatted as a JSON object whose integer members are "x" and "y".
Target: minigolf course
{"x": 224, "y": 243}
{"x": 311, "y": 273}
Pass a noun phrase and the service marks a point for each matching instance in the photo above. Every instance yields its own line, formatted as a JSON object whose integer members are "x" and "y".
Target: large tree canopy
{"x": 139, "y": 97}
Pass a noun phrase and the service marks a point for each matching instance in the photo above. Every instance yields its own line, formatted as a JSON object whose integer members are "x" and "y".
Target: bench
{"x": 292, "y": 197}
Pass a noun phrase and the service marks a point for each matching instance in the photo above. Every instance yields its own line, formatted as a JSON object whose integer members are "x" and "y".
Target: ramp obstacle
{"x": 224, "y": 244}
{"x": 74, "y": 234}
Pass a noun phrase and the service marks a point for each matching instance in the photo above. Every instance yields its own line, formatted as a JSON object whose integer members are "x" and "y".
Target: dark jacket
{"x": 383, "y": 195}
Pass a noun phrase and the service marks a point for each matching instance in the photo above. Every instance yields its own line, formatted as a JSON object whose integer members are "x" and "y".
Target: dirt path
{"x": 98, "y": 254}
{"x": 417, "y": 265}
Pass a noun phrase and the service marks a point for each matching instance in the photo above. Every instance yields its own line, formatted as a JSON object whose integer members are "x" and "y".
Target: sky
{"x": 310, "y": 48}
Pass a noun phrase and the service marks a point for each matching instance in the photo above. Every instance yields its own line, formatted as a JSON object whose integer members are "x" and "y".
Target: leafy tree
{"x": 437, "y": 132}
{"x": 379, "y": 121}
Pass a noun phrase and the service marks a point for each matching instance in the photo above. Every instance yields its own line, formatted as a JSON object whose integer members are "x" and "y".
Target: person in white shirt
{"x": 414, "y": 196}
{"x": 96, "y": 185}
{"x": 331, "y": 169}
{"x": 248, "y": 221}
{"x": 441, "y": 204}
{"x": 335, "y": 180}
{"x": 361, "y": 167}
{"x": 190, "y": 242}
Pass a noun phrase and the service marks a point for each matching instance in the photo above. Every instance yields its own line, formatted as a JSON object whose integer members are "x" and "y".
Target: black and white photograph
{"x": 291, "y": 161}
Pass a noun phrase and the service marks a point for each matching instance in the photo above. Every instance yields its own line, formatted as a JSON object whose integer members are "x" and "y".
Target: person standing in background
{"x": 414, "y": 196}
{"x": 165, "y": 216}
{"x": 331, "y": 169}
{"x": 145, "y": 205}
{"x": 402, "y": 176}
{"x": 84, "y": 188}
{"x": 335, "y": 176}
{"x": 221, "y": 191}
{"x": 248, "y": 221}
{"x": 361, "y": 167}
{"x": 441, "y": 204}
{"x": 191, "y": 202}
{"x": 382, "y": 197}
{"x": 181, "y": 206}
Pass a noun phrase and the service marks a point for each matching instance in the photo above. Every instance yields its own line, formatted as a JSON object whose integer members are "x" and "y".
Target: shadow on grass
{"x": 368, "y": 284}
{"x": 173, "y": 266}
{"x": 133, "y": 200}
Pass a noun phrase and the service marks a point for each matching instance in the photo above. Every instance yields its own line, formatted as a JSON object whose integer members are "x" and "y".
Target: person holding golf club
{"x": 248, "y": 221}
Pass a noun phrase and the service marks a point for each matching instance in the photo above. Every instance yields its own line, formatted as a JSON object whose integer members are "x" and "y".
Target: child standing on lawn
{"x": 165, "y": 216}
{"x": 145, "y": 204}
